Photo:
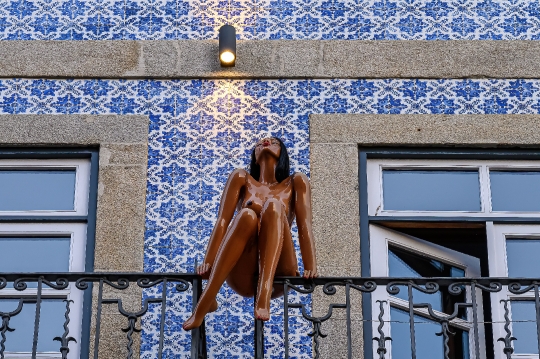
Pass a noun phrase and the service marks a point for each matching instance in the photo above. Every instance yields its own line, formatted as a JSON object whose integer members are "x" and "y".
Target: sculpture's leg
{"x": 242, "y": 229}
{"x": 273, "y": 218}
{"x": 288, "y": 263}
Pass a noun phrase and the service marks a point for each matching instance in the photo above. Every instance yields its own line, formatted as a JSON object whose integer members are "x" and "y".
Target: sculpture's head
{"x": 270, "y": 146}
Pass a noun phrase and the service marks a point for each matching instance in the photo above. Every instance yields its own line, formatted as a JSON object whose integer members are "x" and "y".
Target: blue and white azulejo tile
{"x": 201, "y": 130}
{"x": 270, "y": 19}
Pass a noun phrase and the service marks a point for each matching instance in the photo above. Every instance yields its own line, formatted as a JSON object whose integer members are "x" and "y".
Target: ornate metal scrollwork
{"x": 508, "y": 339}
{"x": 381, "y": 339}
{"x": 428, "y": 288}
{"x": 317, "y": 321}
{"x": 444, "y": 321}
{"x": 64, "y": 339}
{"x": 6, "y": 317}
{"x": 132, "y": 320}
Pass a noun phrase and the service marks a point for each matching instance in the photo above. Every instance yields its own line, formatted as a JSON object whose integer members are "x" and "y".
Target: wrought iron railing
{"x": 461, "y": 306}
{"x": 100, "y": 289}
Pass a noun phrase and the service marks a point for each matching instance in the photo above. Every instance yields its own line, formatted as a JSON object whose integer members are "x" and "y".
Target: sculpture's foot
{"x": 193, "y": 322}
{"x": 197, "y": 317}
{"x": 262, "y": 314}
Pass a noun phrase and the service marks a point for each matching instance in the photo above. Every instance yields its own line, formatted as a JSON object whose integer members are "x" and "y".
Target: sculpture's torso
{"x": 256, "y": 194}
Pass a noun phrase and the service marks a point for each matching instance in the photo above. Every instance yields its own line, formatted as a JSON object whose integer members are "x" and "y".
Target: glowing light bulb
{"x": 227, "y": 57}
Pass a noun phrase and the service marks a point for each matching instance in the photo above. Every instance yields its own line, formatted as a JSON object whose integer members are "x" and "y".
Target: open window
{"x": 401, "y": 255}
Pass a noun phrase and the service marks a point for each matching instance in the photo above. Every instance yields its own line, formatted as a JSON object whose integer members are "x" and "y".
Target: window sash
{"x": 375, "y": 169}
{"x": 77, "y": 234}
{"x": 82, "y": 183}
{"x": 498, "y": 267}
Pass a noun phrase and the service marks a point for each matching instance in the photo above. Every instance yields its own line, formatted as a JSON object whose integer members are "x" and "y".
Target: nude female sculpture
{"x": 258, "y": 239}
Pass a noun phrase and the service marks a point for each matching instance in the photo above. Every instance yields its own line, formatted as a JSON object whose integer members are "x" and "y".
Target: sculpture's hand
{"x": 310, "y": 273}
{"x": 204, "y": 270}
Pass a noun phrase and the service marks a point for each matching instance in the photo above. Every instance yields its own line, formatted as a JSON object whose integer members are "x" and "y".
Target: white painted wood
{"x": 498, "y": 267}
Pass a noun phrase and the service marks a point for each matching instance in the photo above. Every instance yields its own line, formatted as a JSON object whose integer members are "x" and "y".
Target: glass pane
{"x": 402, "y": 263}
{"x": 524, "y": 327}
{"x": 51, "y": 325}
{"x": 515, "y": 191}
{"x": 428, "y": 345}
{"x": 34, "y": 254}
{"x": 522, "y": 258}
{"x": 37, "y": 190}
{"x": 431, "y": 190}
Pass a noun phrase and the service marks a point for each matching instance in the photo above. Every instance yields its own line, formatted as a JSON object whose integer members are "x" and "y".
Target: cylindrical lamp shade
{"x": 227, "y": 46}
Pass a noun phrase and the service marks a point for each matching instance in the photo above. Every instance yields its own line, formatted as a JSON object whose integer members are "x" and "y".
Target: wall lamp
{"x": 227, "y": 45}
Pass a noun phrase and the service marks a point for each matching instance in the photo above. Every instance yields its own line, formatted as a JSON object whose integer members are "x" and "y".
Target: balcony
{"x": 468, "y": 317}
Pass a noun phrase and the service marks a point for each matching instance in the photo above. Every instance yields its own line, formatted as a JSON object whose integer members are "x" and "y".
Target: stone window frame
{"x": 335, "y": 140}
{"x": 122, "y": 142}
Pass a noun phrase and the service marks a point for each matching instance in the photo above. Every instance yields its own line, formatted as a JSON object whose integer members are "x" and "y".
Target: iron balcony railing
{"x": 461, "y": 299}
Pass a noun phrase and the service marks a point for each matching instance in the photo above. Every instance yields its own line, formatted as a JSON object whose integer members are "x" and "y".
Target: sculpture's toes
{"x": 262, "y": 314}
{"x": 192, "y": 322}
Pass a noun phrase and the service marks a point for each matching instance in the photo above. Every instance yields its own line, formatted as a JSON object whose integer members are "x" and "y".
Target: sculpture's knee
{"x": 272, "y": 207}
{"x": 247, "y": 217}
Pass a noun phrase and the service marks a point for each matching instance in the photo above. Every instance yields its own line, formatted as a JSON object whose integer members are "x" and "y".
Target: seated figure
{"x": 250, "y": 249}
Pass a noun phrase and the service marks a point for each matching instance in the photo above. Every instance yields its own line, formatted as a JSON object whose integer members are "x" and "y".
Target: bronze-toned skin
{"x": 258, "y": 239}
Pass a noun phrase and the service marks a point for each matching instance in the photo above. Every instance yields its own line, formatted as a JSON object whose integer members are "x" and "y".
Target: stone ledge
{"x": 482, "y": 130}
{"x": 272, "y": 59}
{"x": 74, "y": 129}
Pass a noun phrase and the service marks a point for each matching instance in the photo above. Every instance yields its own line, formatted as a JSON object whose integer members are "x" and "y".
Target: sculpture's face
{"x": 267, "y": 146}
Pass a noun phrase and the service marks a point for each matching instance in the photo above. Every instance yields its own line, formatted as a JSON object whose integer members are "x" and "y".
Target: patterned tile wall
{"x": 201, "y": 130}
{"x": 270, "y": 19}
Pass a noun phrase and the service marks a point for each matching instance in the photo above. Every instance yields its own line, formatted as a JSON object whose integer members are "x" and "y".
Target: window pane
{"x": 524, "y": 327}
{"x": 34, "y": 254}
{"x": 37, "y": 190}
{"x": 522, "y": 257}
{"x": 51, "y": 325}
{"x": 402, "y": 263}
{"x": 515, "y": 191}
{"x": 428, "y": 344}
{"x": 431, "y": 190}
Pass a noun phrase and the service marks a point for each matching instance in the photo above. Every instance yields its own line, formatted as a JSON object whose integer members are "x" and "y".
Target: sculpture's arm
{"x": 302, "y": 208}
{"x": 229, "y": 200}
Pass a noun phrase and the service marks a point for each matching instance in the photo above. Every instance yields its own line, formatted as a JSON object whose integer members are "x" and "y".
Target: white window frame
{"x": 82, "y": 182}
{"x": 76, "y": 231}
{"x": 375, "y": 169}
{"x": 498, "y": 267}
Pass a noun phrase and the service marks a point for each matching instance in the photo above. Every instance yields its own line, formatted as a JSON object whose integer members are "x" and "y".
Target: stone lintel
{"x": 477, "y": 130}
{"x": 271, "y": 59}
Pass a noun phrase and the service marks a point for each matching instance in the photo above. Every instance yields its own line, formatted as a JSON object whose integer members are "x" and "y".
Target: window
{"x": 453, "y": 217}
{"x": 44, "y": 209}
{"x": 400, "y": 255}
{"x": 515, "y": 250}
{"x": 452, "y": 188}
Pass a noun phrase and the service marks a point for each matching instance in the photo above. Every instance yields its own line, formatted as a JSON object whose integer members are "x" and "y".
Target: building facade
{"x": 134, "y": 91}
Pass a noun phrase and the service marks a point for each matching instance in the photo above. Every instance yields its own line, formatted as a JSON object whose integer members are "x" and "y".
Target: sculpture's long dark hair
{"x": 282, "y": 169}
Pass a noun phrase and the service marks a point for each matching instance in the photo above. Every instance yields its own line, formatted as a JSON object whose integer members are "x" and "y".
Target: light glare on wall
{"x": 227, "y": 46}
